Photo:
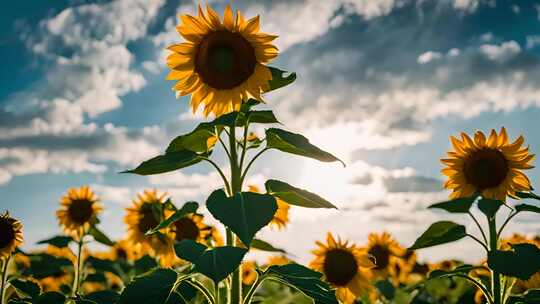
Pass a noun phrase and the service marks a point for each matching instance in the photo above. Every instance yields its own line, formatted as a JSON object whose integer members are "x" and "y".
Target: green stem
{"x": 235, "y": 290}
{"x": 479, "y": 227}
{"x": 4, "y": 277}
{"x": 244, "y": 145}
{"x": 251, "y": 292}
{"x": 216, "y": 292}
{"x": 478, "y": 241}
{"x": 78, "y": 270}
{"x": 222, "y": 143}
{"x": 251, "y": 163}
{"x": 203, "y": 290}
{"x": 225, "y": 181}
{"x": 495, "y": 276}
{"x": 511, "y": 216}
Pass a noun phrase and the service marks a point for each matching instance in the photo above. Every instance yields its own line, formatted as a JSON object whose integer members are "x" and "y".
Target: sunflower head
{"x": 78, "y": 211}
{"x": 490, "y": 165}
{"x": 11, "y": 235}
{"x": 385, "y": 251}
{"x": 344, "y": 266}
{"x": 191, "y": 227}
{"x": 221, "y": 64}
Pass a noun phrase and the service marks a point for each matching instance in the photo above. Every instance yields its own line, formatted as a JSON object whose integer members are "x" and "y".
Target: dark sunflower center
{"x": 121, "y": 254}
{"x": 225, "y": 60}
{"x": 186, "y": 229}
{"x": 339, "y": 267}
{"x": 382, "y": 256}
{"x": 81, "y": 211}
{"x": 7, "y": 233}
{"x": 148, "y": 219}
{"x": 486, "y": 168}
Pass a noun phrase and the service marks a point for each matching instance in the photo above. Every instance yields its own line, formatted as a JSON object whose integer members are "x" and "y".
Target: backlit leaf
{"x": 168, "y": 162}
{"x": 460, "y": 205}
{"x": 440, "y": 233}
{"x": 189, "y": 207}
{"x": 152, "y": 288}
{"x": 296, "y": 196}
{"x": 280, "y": 79}
{"x": 520, "y": 262}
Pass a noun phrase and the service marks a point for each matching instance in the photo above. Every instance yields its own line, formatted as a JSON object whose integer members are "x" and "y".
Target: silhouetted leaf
{"x": 489, "y": 207}
{"x": 264, "y": 246}
{"x": 520, "y": 262}
{"x": 531, "y": 296}
{"x": 52, "y": 297}
{"x": 144, "y": 264}
{"x": 386, "y": 288}
{"x": 104, "y": 265}
{"x": 280, "y": 79}
{"x": 439, "y": 233}
{"x": 219, "y": 262}
{"x": 30, "y": 288}
{"x": 296, "y": 196}
{"x": 168, "y": 162}
{"x": 245, "y": 213}
{"x": 152, "y": 288}
{"x": 296, "y": 144}
{"x": 460, "y": 205}
{"x": 102, "y": 297}
{"x": 527, "y": 195}
{"x": 100, "y": 237}
{"x": 189, "y": 250}
{"x": 527, "y": 207}
{"x": 189, "y": 207}
{"x": 59, "y": 241}
{"x": 43, "y": 265}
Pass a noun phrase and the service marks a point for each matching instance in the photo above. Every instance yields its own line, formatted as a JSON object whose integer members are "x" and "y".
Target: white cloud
{"x": 428, "y": 56}
{"x": 466, "y": 5}
{"x": 533, "y": 41}
{"x": 502, "y": 52}
{"x": 111, "y": 194}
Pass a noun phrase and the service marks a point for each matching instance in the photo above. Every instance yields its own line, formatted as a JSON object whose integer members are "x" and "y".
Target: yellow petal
{"x": 252, "y": 25}
{"x": 228, "y": 18}
{"x": 492, "y": 140}
{"x": 480, "y": 139}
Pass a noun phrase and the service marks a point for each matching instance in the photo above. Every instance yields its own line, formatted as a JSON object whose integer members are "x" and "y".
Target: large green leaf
{"x": 167, "y": 162}
{"x": 189, "y": 207}
{"x": 531, "y": 296}
{"x": 219, "y": 262}
{"x": 265, "y": 246}
{"x": 528, "y": 208}
{"x": 195, "y": 141}
{"x": 59, "y": 241}
{"x": 189, "y": 250}
{"x": 296, "y": 144}
{"x": 144, "y": 264}
{"x": 386, "y": 288}
{"x": 296, "y": 196}
{"x": 52, "y": 297}
{"x": 102, "y": 297}
{"x": 440, "y": 233}
{"x": 30, "y": 288}
{"x": 245, "y": 213}
{"x": 489, "y": 207}
{"x": 262, "y": 117}
{"x": 280, "y": 79}
{"x": 152, "y": 288}
{"x": 520, "y": 262}
{"x": 527, "y": 195}
{"x": 100, "y": 237}
{"x": 104, "y": 265}
{"x": 305, "y": 280}
{"x": 460, "y": 205}
{"x": 43, "y": 265}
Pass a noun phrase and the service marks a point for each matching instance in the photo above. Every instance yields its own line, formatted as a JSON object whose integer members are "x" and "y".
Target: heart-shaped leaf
{"x": 296, "y": 144}
{"x": 460, "y": 205}
{"x": 59, "y": 241}
{"x": 520, "y": 262}
{"x": 189, "y": 250}
{"x": 279, "y": 79}
{"x": 167, "y": 162}
{"x": 296, "y": 196}
{"x": 189, "y": 207}
{"x": 152, "y": 288}
{"x": 440, "y": 233}
{"x": 245, "y": 213}
{"x": 489, "y": 207}
{"x": 220, "y": 262}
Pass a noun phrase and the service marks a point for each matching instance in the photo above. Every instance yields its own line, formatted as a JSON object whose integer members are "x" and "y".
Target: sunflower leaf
{"x": 439, "y": 233}
{"x": 219, "y": 262}
{"x": 293, "y": 143}
{"x": 296, "y": 196}
{"x": 189, "y": 250}
{"x": 167, "y": 162}
{"x": 520, "y": 262}
{"x": 265, "y": 246}
{"x": 30, "y": 288}
{"x": 304, "y": 280}
{"x": 245, "y": 213}
{"x": 386, "y": 288}
{"x": 527, "y": 207}
{"x": 104, "y": 265}
{"x": 197, "y": 140}
{"x": 279, "y": 79}
{"x": 460, "y": 205}
{"x": 531, "y": 296}
{"x": 527, "y": 195}
{"x": 60, "y": 241}
{"x": 102, "y": 297}
{"x": 189, "y": 207}
{"x": 154, "y": 287}
{"x": 44, "y": 265}
{"x": 489, "y": 207}
{"x": 52, "y": 297}
{"x": 100, "y": 237}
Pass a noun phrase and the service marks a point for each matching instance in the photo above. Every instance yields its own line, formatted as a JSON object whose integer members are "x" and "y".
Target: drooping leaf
{"x": 219, "y": 262}
{"x": 51, "y": 297}
{"x": 296, "y": 196}
{"x": 245, "y": 213}
{"x": 250, "y": 103}
{"x": 528, "y": 208}
{"x": 102, "y": 297}
{"x": 100, "y": 237}
{"x": 520, "y": 262}
{"x": 280, "y": 79}
{"x": 489, "y": 207}
{"x": 59, "y": 241}
{"x": 167, "y": 162}
{"x": 460, "y": 205}
{"x": 265, "y": 246}
{"x": 262, "y": 117}
{"x": 296, "y": 144}
{"x": 189, "y": 250}
{"x": 189, "y": 207}
{"x": 30, "y": 288}
{"x": 386, "y": 288}
{"x": 304, "y": 280}
{"x": 527, "y": 195}
{"x": 154, "y": 287}
{"x": 440, "y": 233}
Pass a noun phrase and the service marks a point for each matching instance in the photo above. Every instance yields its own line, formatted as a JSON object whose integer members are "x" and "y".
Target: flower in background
{"x": 78, "y": 211}
{"x": 345, "y": 267}
{"x": 191, "y": 227}
{"x": 221, "y": 64}
{"x": 386, "y": 252}
{"x": 490, "y": 166}
{"x": 11, "y": 235}
{"x": 249, "y": 272}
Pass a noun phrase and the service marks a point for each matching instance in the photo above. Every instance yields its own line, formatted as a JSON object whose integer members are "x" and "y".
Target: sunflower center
{"x": 225, "y": 60}
{"x": 7, "y": 233}
{"x": 121, "y": 254}
{"x": 340, "y": 267}
{"x": 81, "y": 211}
{"x": 382, "y": 256}
{"x": 486, "y": 168}
{"x": 147, "y": 219}
{"x": 186, "y": 229}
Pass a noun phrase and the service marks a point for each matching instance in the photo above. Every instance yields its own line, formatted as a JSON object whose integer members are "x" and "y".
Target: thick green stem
{"x": 4, "y": 277}
{"x": 78, "y": 270}
{"x": 495, "y": 276}
{"x": 235, "y": 290}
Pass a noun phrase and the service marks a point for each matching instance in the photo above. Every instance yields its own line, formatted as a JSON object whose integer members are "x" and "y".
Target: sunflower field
{"x": 172, "y": 254}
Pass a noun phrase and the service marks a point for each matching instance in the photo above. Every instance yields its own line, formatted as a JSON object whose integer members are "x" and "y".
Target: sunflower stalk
{"x": 5, "y": 263}
{"x": 77, "y": 279}
{"x": 493, "y": 246}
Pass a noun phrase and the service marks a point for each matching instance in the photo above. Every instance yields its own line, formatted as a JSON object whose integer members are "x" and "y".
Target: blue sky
{"x": 381, "y": 84}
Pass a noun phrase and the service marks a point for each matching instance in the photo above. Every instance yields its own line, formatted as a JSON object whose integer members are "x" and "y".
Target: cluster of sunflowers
{"x": 172, "y": 255}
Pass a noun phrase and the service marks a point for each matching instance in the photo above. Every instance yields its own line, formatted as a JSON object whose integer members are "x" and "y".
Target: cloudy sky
{"x": 381, "y": 84}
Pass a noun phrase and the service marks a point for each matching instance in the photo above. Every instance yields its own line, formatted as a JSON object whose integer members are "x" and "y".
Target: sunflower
{"x": 122, "y": 250}
{"x": 490, "y": 166}
{"x": 191, "y": 227}
{"x": 145, "y": 214}
{"x": 249, "y": 272}
{"x": 11, "y": 235}
{"x": 221, "y": 64}
{"x": 281, "y": 217}
{"x": 277, "y": 260}
{"x": 78, "y": 211}
{"x": 342, "y": 265}
{"x": 404, "y": 267}
{"x": 386, "y": 252}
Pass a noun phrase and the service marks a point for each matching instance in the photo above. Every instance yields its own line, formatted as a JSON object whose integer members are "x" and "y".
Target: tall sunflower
{"x": 386, "y": 252}
{"x": 221, "y": 63}
{"x": 191, "y": 227}
{"x": 343, "y": 267}
{"x": 145, "y": 214}
{"x": 11, "y": 235}
{"x": 490, "y": 166}
{"x": 281, "y": 217}
{"x": 78, "y": 211}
